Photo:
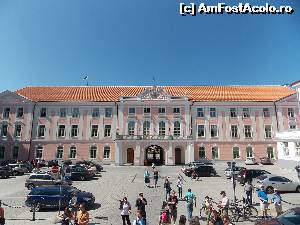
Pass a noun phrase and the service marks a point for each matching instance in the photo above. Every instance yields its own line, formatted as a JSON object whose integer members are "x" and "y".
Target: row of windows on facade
{"x": 234, "y": 131}
{"x": 59, "y": 152}
{"x": 236, "y": 154}
{"x": 286, "y": 150}
{"x": 233, "y": 112}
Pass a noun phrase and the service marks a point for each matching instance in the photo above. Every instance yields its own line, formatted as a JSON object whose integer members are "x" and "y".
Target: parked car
{"x": 5, "y": 171}
{"x": 49, "y": 196}
{"x": 201, "y": 171}
{"x": 266, "y": 161}
{"x": 250, "y": 161}
{"x": 80, "y": 173}
{"x": 36, "y": 180}
{"x": 270, "y": 182}
{"x": 228, "y": 171}
{"x": 250, "y": 174}
{"x": 289, "y": 217}
{"x": 97, "y": 166}
{"x": 52, "y": 163}
{"x": 18, "y": 168}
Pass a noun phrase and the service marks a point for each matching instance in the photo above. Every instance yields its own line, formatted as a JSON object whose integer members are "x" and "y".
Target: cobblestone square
{"x": 117, "y": 182}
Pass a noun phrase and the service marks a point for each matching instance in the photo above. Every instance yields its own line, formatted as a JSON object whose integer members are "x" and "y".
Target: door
{"x": 130, "y": 155}
{"x": 154, "y": 154}
{"x": 177, "y": 156}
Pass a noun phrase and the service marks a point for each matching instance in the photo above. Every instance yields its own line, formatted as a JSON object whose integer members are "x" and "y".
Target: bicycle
{"x": 244, "y": 211}
{"x": 205, "y": 211}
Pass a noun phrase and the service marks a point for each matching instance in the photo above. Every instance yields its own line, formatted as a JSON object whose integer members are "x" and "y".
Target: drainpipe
{"x": 31, "y": 132}
{"x": 277, "y": 125}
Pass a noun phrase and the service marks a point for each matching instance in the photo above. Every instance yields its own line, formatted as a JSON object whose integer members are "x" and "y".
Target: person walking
{"x": 297, "y": 168}
{"x": 147, "y": 178}
{"x": 189, "y": 198}
{"x": 83, "y": 216}
{"x": 140, "y": 204}
{"x": 173, "y": 202}
{"x": 248, "y": 189}
{"x": 125, "y": 208}
{"x": 155, "y": 177}
{"x": 140, "y": 220}
{"x": 167, "y": 186}
{"x": 164, "y": 218}
{"x": 2, "y": 217}
{"x": 182, "y": 220}
{"x": 224, "y": 205}
{"x": 179, "y": 186}
{"x": 263, "y": 200}
{"x": 276, "y": 200}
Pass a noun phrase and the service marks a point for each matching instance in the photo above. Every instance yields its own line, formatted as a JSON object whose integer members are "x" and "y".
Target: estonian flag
{"x": 86, "y": 77}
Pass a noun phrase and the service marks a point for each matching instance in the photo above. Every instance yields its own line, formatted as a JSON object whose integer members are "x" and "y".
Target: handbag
{"x": 2, "y": 220}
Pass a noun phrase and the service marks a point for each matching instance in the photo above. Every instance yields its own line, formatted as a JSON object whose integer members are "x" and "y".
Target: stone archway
{"x": 154, "y": 154}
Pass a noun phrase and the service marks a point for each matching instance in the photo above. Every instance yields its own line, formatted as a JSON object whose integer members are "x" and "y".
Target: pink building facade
{"x": 141, "y": 125}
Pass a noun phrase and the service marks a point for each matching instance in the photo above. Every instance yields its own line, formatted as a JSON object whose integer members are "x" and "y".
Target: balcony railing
{"x": 152, "y": 137}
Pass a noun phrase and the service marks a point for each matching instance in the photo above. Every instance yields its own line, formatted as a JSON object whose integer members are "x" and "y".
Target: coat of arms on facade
{"x": 154, "y": 93}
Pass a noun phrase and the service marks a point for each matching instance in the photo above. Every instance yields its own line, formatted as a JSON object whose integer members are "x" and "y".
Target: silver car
{"x": 270, "y": 182}
{"x": 18, "y": 169}
{"x": 228, "y": 171}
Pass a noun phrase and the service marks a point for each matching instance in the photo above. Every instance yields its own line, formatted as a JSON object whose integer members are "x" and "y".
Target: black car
{"x": 50, "y": 196}
{"x": 80, "y": 173}
{"x": 201, "y": 171}
{"x": 250, "y": 174}
{"x": 5, "y": 171}
{"x": 99, "y": 168}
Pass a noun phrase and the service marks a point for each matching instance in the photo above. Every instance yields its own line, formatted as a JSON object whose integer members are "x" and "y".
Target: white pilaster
{"x": 169, "y": 156}
{"x": 189, "y": 153}
{"x": 119, "y": 154}
{"x": 137, "y": 155}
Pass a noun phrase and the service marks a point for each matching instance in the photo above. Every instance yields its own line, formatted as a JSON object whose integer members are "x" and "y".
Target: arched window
{"x": 93, "y": 152}
{"x": 162, "y": 128}
{"x": 59, "y": 152}
{"x": 146, "y": 128}
{"x": 249, "y": 151}
{"x": 131, "y": 126}
{"x": 202, "y": 152}
{"x": 270, "y": 152}
{"x": 106, "y": 152}
{"x": 2, "y": 151}
{"x": 73, "y": 152}
{"x": 39, "y": 152}
{"x": 177, "y": 128}
{"x": 236, "y": 152}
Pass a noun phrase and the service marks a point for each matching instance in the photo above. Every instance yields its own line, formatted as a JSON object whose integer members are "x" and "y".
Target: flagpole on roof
{"x": 86, "y": 80}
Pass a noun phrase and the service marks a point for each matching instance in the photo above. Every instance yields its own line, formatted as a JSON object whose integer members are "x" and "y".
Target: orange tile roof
{"x": 194, "y": 93}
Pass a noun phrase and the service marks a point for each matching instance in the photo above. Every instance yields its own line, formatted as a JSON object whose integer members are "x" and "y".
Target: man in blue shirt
{"x": 276, "y": 199}
{"x": 189, "y": 198}
{"x": 263, "y": 200}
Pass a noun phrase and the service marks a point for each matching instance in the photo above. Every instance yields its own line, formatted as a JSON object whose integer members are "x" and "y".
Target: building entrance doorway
{"x": 130, "y": 155}
{"x": 154, "y": 154}
{"x": 177, "y": 156}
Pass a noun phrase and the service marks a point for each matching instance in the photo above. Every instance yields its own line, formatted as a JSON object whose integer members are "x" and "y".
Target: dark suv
{"x": 250, "y": 174}
{"x": 201, "y": 171}
{"x": 35, "y": 180}
{"x": 49, "y": 196}
{"x": 80, "y": 173}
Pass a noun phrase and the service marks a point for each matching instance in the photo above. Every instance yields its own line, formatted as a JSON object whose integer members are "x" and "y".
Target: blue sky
{"x": 56, "y": 42}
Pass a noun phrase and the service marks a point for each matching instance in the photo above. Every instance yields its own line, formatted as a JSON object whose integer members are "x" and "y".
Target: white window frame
{"x": 75, "y": 112}
{"x": 200, "y": 112}
{"x": 95, "y": 112}
{"x": 237, "y": 131}
{"x": 105, "y": 130}
{"x": 146, "y": 130}
{"x": 266, "y": 112}
{"x": 210, "y": 129}
{"x": 291, "y": 112}
{"x": 297, "y": 149}
{"x": 93, "y": 147}
{"x": 218, "y": 152}
{"x": 39, "y": 129}
{"x": 39, "y": 150}
{"x": 246, "y": 112}
{"x": 131, "y": 129}
{"x": 59, "y": 132}
{"x": 70, "y": 151}
{"x": 269, "y": 147}
{"x": 6, "y": 125}
{"x": 162, "y": 130}
{"x": 178, "y": 132}
{"x": 213, "y": 113}
{"x": 62, "y": 154}
{"x": 131, "y": 113}
{"x": 176, "y": 110}
{"x": 17, "y": 132}
{"x": 106, "y": 148}
{"x": 146, "y": 109}
{"x": 252, "y": 152}
{"x": 77, "y": 130}
{"x": 63, "y": 112}
{"x": 265, "y": 131}
{"x": 6, "y": 114}
{"x": 251, "y": 133}
{"x": 233, "y": 112}
{"x": 108, "y": 112}
{"x": 97, "y": 133}
{"x": 41, "y": 110}
{"x": 203, "y": 130}
{"x": 163, "y": 109}
{"x": 201, "y": 148}
{"x": 18, "y": 110}
{"x": 239, "y": 152}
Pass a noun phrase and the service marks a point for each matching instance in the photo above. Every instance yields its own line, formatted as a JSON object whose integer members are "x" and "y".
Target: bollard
{"x": 33, "y": 212}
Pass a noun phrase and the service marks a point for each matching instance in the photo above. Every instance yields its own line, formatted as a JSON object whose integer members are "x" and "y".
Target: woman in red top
{"x": 2, "y": 219}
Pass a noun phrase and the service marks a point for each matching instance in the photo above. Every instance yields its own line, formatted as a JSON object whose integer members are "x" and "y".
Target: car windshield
{"x": 262, "y": 177}
{"x": 72, "y": 190}
{"x": 290, "y": 218}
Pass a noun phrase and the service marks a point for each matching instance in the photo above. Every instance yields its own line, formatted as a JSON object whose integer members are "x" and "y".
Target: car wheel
{"x": 298, "y": 189}
{"x": 270, "y": 190}
{"x": 82, "y": 178}
{"x": 30, "y": 186}
{"x": 14, "y": 173}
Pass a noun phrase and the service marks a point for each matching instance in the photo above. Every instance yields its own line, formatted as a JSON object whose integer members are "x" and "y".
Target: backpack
{"x": 191, "y": 200}
{"x": 165, "y": 217}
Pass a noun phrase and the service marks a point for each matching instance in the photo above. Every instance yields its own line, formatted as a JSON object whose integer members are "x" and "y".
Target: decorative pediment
{"x": 154, "y": 93}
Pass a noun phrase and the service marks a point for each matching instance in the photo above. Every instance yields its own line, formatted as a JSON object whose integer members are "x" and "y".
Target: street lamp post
{"x": 233, "y": 180}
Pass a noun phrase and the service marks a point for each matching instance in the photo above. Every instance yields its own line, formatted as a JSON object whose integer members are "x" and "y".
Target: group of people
{"x": 80, "y": 217}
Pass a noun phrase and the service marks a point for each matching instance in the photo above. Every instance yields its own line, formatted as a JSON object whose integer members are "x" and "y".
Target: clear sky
{"x": 127, "y": 42}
